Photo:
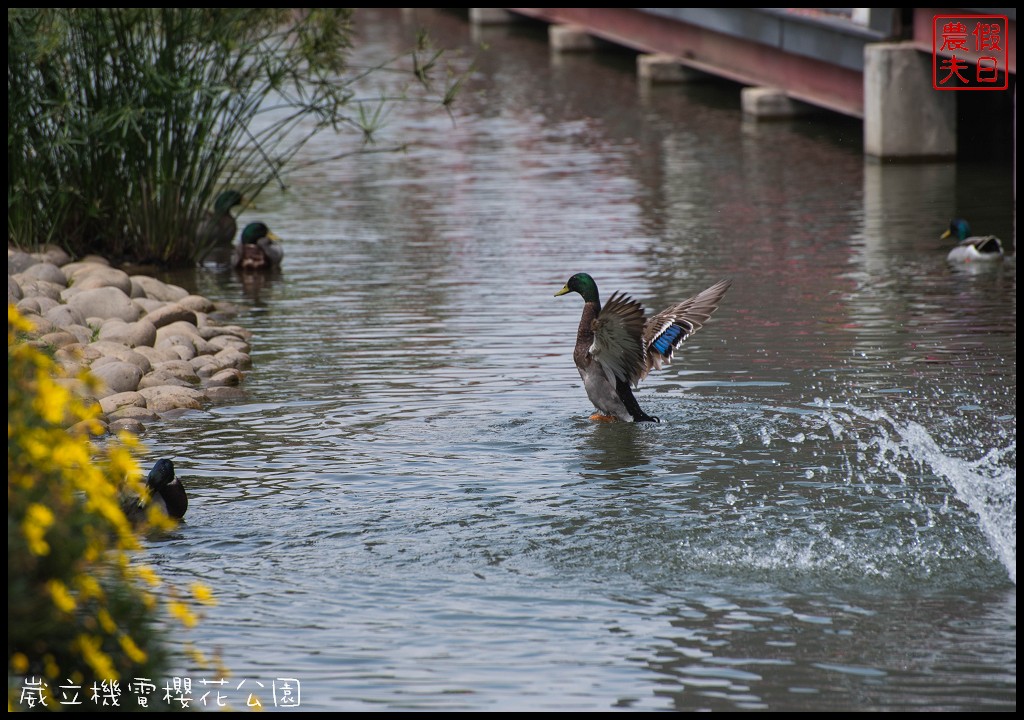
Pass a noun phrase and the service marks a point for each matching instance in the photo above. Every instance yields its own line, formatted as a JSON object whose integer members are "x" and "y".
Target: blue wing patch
{"x": 670, "y": 339}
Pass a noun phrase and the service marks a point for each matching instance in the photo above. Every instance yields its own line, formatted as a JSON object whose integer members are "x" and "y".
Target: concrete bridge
{"x": 875, "y": 64}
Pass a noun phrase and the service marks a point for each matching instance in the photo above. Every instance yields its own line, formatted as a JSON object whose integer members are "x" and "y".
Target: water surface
{"x": 410, "y": 510}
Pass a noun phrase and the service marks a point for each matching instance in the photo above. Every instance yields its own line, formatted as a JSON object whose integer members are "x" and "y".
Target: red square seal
{"x": 969, "y": 52}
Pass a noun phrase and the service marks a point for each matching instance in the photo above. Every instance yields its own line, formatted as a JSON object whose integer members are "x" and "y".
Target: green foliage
{"x": 80, "y": 608}
{"x": 123, "y": 123}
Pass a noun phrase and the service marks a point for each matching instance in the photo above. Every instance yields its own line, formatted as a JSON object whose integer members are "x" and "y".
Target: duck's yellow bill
{"x": 563, "y": 291}
{"x": 945, "y": 235}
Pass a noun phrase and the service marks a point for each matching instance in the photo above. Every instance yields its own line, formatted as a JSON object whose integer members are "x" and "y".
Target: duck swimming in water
{"x": 972, "y": 248}
{"x": 166, "y": 493}
{"x": 258, "y": 249}
{"x": 616, "y": 347}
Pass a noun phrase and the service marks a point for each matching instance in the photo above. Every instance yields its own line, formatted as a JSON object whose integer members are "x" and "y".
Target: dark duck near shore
{"x": 166, "y": 493}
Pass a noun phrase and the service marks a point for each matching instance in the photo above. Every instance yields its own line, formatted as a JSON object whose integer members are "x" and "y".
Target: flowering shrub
{"x": 81, "y": 611}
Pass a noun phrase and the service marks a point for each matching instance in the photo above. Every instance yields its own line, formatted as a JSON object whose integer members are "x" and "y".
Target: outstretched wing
{"x": 667, "y": 330}
{"x": 618, "y": 338}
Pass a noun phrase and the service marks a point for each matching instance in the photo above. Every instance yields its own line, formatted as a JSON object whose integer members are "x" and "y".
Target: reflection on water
{"x": 411, "y": 510}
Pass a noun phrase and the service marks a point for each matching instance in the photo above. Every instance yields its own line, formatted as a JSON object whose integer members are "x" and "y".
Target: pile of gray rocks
{"x": 156, "y": 350}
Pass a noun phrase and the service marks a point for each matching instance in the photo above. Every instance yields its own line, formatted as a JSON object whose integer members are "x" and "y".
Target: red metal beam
{"x": 812, "y": 81}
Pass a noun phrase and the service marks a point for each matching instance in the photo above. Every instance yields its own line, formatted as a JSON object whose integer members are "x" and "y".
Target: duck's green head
{"x": 958, "y": 228}
{"x": 584, "y": 285}
{"x": 227, "y": 200}
{"x": 254, "y": 232}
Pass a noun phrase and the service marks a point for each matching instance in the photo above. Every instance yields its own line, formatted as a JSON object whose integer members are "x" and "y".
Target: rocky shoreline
{"x": 156, "y": 349}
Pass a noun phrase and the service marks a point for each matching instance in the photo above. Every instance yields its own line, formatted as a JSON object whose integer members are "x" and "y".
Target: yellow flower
{"x": 16, "y": 322}
{"x": 88, "y": 587}
{"x": 101, "y": 664}
{"x": 131, "y": 649}
{"x": 122, "y": 464}
{"x": 50, "y": 666}
{"x": 180, "y": 610}
{"x": 198, "y": 658}
{"x": 52, "y": 399}
{"x": 61, "y": 596}
{"x": 146, "y": 573}
{"x": 38, "y": 519}
{"x": 69, "y": 454}
{"x": 203, "y": 594}
{"x": 106, "y": 621}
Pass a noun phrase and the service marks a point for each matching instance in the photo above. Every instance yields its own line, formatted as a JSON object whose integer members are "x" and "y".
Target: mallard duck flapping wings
{"x": 972, "y": 248}
{"x": 616, "y": 347}
{"x": 258, "y": 249}
{"x": 166, "y": 492}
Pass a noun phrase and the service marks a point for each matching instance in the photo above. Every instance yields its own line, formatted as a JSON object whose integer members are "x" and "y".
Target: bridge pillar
{"x": 664, "y": 68}
{"x": 766, "y": 103}
{"x": 491, "y": 16}
{"x": 570, "y": 38}
{"x": 904, "y": 116}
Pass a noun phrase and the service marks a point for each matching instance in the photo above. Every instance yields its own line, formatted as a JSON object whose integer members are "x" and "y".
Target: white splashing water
{"x": 988, "y": 485}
